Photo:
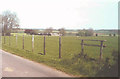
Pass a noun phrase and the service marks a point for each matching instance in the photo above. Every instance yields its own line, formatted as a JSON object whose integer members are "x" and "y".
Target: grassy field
{"x": 14, "y": 34}
{"x": 71, "y": 62}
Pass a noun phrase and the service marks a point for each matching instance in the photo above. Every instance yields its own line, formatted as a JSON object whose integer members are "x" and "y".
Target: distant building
{"x": 99, "y": 34}
{"x": 55, "y": 34}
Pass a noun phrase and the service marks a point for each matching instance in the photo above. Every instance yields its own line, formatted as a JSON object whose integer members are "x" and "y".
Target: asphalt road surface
{"x": 15, "y": 66}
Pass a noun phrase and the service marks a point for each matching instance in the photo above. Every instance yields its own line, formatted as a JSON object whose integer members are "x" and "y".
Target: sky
{"x": 68, "y": 14}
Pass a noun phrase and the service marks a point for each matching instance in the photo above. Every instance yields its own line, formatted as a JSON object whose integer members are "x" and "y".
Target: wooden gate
{"x": 101, "y": 45}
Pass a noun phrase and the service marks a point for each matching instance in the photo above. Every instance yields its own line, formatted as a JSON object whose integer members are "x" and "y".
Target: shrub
{"x": 109, "y": 70}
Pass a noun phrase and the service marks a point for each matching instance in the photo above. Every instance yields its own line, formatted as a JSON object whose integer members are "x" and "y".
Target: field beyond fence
{"x": 70, "y": 49}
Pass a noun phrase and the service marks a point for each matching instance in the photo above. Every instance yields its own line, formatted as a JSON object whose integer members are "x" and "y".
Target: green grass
{"x": 71, "y": 47}
{"x": 14, "y": 34}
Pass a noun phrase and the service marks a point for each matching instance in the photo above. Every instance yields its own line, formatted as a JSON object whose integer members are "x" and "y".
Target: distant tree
{"x": 96, "y": 34}
{"x": 34, "y": 32}
{"x": 31, "y": 32}
{"x": 114, "y": 34}
{"x": 89, "y": 32}
{"x": 80, "y": 33}
{"x": 48, "y": 30}
{"x": 110, "y": 34}
{"x": 27, "y": 31}
{"x": 9, "y": 21}
{"x": 62, "y": 31}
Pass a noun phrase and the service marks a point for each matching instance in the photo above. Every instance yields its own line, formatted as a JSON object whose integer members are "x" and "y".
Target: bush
{"x": 86, "y": 65}
{"x": 109, "y": 70}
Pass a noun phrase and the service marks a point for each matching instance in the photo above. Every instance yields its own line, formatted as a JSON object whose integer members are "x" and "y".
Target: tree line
{"x": 9, "y": 22}
{"x": 85, "y": 32}
{"x": 47, "y": 31}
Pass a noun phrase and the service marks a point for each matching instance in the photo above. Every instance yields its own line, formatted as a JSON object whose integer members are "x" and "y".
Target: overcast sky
{"x": 68, "y": 14}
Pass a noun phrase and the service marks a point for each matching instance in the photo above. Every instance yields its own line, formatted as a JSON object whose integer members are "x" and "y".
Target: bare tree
{"x": 62, "y": 31}
{"x": 9, "y": 21}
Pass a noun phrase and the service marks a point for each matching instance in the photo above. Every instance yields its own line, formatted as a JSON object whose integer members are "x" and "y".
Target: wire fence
{"x": 55, "y": 46}
{"x": 39, "y": 44}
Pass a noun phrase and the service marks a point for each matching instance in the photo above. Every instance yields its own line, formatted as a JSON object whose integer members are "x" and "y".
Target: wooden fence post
{"x": 101, "y": 48}
{"x": 16, "y": 40}
{"x": 60, "y": 47}
{"x": 23, "y": 41}
{"x": 82, "y": 47}
{"x": 32, "y": 43}
{"x": 44, "y": 45}
{"x": 4, "y": 38}
{"x": 9, "y": 40}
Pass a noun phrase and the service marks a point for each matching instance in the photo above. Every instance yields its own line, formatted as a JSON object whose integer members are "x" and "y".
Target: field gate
{"x": 101, "y": 45}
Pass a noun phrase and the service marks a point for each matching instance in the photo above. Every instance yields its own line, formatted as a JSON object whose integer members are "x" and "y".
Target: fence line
{"x": 32, "y": 43}
{"x": 23, "y": 41}
{"x": 60, "y": 47}
{"x": 44, "y": 44}
{"x": 16, "y": 40}
{"x": 4, "y": 38}
{"x": 60, "y": 44}
{"x": 9, "y": 40}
